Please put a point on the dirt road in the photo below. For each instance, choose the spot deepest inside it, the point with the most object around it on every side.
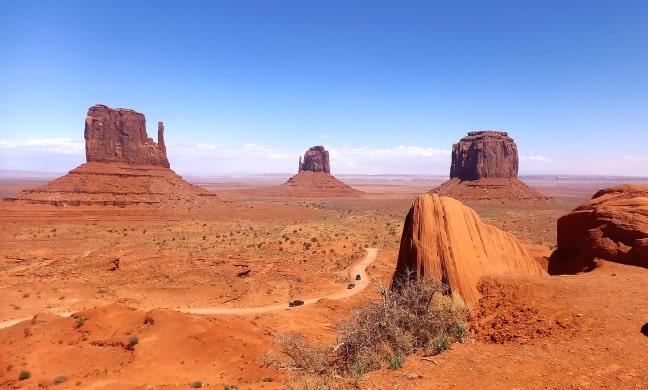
(359, 268)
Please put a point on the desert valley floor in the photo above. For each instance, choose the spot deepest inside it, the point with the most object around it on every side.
(137, 272)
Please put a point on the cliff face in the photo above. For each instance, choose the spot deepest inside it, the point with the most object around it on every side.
(484, 154)
(316, 159)
(613, 225)
(446, 240)
(484, 167)
(119, 135)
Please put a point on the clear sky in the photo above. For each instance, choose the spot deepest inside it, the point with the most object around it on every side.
(386, 86)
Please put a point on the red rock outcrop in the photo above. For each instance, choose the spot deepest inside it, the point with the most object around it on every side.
(484, 167)
(613, 225)
(316, 159)
(124, 168)
(119, 135)
(484, 154)
(444, 239)
(314, 179)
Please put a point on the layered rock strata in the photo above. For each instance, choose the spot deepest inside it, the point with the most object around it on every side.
(484, 167)
(119, 135)
(124, 167)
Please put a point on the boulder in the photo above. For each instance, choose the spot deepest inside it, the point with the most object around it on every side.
(446, 240)
(316, 159)
(484, 154)
(613, 225)
(119, 135)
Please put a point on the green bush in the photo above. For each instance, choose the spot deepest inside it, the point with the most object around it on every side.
(24, 375)
(196, 384)
(132, 342)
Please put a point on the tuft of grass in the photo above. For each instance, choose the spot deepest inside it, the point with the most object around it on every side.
(196, 384)
(60, 379)
(132, 342)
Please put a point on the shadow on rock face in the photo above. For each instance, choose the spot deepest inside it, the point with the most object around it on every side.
(644, 329)
(561, 263)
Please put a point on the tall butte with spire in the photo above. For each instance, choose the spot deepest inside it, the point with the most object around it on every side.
(123, 167)
(314, 179)
(484, 167)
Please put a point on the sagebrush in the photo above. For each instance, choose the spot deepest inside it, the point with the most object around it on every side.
(414, 315)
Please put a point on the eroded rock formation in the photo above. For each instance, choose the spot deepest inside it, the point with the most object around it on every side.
(316, 159)
(613, 225)
(124, 167)
(119, 135)
(484, 154)
(314, 179)
(444, 239)
(484, 166)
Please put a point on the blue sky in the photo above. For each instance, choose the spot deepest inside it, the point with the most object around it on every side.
(387, 86)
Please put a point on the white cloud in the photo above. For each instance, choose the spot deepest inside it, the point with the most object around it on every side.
(326, 136)
(48, 145)
(535, 158)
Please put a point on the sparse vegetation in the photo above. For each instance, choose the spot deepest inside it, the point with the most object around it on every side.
(60, 379)
(196, 384)
(24, 375)
(414, 316)
(132, 342)
(80, 321)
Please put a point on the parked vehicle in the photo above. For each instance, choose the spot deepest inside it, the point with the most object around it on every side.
(358, 277)
(351, 285)
(296, 302)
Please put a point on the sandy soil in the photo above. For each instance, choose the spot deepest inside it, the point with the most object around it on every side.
(133, 271)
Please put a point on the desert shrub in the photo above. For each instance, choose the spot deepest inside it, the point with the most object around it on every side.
(132, 342)
(267, 379)
(302, 356)
(60, 379)
(80, 321)
(228, 386)
(195, 384)
(414, 315)
(24, 375)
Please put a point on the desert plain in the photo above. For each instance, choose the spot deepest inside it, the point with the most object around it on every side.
(204, 293)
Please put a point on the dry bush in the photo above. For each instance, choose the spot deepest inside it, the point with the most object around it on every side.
(413, 316)
(303, 356)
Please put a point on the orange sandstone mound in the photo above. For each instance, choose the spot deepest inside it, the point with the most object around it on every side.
(124, 167)
(447, 240)
(484, 167)
(613, 225)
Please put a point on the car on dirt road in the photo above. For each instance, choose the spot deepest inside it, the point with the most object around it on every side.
(358, 277)
(295, 303)
(351, 285)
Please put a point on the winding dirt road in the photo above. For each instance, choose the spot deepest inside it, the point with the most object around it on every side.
(359, 268)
